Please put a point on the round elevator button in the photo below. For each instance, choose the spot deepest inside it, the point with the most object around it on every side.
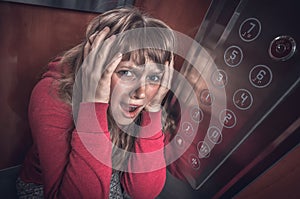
(260, 76)
(282, 48)
(250, 29)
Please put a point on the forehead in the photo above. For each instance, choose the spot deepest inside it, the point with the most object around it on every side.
(148, 65)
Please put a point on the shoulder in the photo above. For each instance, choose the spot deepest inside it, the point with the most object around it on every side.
(45, 100)
(46, 90)
(47, 113)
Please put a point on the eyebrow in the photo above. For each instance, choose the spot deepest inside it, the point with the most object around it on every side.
(157, 69)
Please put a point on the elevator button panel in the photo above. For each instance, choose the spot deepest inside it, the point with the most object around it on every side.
(257, 65)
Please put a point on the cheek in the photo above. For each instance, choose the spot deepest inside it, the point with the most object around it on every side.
(114, 80)
(151, 91)
(114, 88)
(117, 87)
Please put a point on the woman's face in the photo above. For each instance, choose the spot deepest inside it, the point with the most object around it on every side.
(132, 87)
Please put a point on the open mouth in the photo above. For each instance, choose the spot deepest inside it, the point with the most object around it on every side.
(130, 110)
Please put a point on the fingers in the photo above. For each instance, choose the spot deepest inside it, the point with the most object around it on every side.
(100, 38)
(96, 68)
(165, 79)
(88, 45)
(168, 74)
(94, 42)
(103, 89)
(155, 103)
(97, 53)
(171, 71)
(102, 55)
(111, 67)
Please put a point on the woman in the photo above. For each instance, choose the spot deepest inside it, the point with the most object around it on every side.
(115, 83)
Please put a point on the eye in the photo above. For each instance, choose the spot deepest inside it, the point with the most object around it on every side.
(126, 75)
(155, 79)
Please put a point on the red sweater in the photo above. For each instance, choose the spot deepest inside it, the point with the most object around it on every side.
(66, 161)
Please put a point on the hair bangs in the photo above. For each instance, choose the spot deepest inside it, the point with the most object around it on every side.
(142, 44)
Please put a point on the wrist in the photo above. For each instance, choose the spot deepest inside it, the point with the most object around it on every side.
(150, 124)
(92, 117)
(94, 100)
(153, 108)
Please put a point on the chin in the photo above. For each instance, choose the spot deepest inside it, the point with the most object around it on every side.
(122, 120)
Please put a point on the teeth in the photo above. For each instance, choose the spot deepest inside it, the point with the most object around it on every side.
(129, 108)
(132, 108)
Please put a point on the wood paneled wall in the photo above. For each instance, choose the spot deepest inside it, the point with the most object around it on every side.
(29, 36)
(181, 15)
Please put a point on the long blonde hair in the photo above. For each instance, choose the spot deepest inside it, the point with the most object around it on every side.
(119, 21)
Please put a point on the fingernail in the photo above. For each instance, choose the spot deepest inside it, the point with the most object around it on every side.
(112, 37)
(106, 28)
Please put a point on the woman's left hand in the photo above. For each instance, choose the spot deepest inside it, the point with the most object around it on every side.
(155, 103)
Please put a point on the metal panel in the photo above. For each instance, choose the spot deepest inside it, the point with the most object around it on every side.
(253, 49)
(97, 6)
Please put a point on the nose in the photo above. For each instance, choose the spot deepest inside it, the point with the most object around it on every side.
(139, 92)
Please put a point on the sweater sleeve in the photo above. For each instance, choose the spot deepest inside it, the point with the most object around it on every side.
(70, 159)
(146, 173)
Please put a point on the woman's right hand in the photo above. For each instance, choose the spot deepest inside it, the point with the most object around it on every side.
(96, 76)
